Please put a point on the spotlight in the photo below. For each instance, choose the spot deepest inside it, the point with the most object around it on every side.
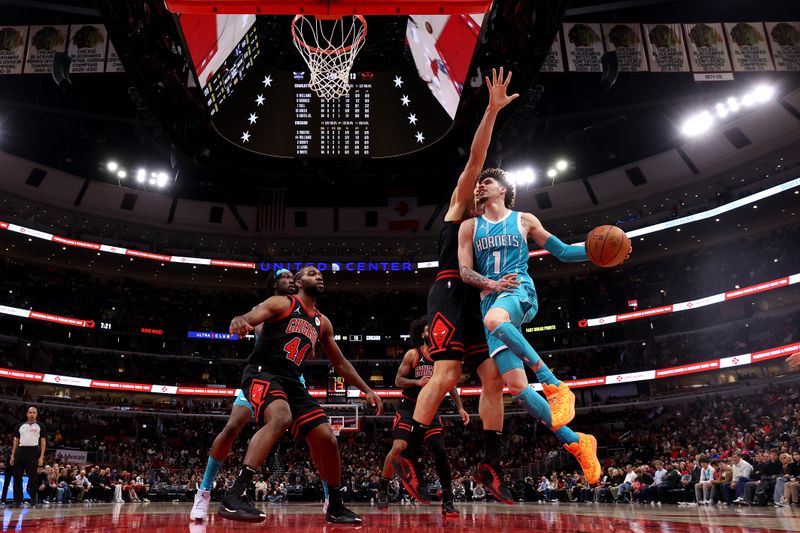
(722, 111)
(153, 174)
(122, 174)
(162, 179)
(763, 93)
(141, 175)
(552, 173)
(522, 177)
(152, 181)
(112, 166)
(697, 124)
(733, 104)
(748, 99)
(561, 165)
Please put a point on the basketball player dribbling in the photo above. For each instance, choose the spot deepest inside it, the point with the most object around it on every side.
(413, 375)
(279, 283)
(271, 381)
(456, 333)
(493, 256)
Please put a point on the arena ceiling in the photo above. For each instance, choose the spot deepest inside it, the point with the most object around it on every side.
(572, 116)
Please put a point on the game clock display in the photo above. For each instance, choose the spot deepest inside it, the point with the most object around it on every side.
(386, 113)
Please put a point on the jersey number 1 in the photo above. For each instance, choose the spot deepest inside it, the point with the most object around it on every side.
(292, 354)
(496, 256)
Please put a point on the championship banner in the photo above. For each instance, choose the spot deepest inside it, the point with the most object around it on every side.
(554, 60)
(784, 37)
(12, 48)
(626, 40)
(584, 46)
(707, 50)
(43, 43)
(87, 48)
(113, 63)
(665, 48)
(749, 47)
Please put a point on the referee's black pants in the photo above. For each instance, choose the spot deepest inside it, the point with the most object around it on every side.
(25, 462)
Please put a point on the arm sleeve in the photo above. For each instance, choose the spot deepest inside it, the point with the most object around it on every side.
(565, 253)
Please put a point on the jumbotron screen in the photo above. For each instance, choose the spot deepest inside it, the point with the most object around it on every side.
(394, 111)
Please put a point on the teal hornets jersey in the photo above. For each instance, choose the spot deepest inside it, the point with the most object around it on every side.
(500, 247)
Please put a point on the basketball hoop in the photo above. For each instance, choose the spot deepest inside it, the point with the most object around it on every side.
(329, 47)
(337, 428)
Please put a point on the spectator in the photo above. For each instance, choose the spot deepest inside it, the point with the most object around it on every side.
(479, 493)
(702, 489)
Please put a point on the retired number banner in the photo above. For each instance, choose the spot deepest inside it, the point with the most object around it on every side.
(749, 48)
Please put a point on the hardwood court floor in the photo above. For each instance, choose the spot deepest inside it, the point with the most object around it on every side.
(480, 517)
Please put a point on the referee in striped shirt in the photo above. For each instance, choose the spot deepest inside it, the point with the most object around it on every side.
(28, 453)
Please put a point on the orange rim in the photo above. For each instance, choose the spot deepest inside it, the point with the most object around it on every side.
(315, 50)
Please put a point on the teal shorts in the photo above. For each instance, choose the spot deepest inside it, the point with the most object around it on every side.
(241, 400)
(521, 305)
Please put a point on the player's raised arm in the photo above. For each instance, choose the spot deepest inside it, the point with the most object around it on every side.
(343, 367)
(466, 263)
(462, 198)
(272, 307)
(572, 253)
(405, 367)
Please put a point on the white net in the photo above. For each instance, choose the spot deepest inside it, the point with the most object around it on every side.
(329, 48)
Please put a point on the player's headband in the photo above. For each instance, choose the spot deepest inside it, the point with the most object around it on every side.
(281, 271)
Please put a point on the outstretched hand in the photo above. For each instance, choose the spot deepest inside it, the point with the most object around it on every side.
(794, 359)
(498, 88)
(240, 326)
(375, 400)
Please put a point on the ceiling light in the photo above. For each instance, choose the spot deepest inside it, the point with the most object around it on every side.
(748, 99)
(561, 165)
(552, 173)
(722, 111)
(522, 177)
(112, 166)
(122, 174)
(697, 124)
(763, 93)
(152, 181)
(162, 179)
(153, 174)
(733, 104)
(141, 175)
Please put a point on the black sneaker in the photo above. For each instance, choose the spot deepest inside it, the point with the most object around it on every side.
(411, 479)
(235, 507)
(339, 514)
(382, 501)
(448, 507)
(492, 478)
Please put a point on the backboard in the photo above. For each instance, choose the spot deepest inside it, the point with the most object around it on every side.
(406, 82)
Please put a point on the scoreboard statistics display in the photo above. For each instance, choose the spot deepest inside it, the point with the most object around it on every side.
(264, 109)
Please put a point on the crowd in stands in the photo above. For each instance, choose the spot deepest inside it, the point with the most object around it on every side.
(723, 450)
(131, 304)
(662, 351)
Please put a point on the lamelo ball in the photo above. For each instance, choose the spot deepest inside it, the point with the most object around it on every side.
(607, 246)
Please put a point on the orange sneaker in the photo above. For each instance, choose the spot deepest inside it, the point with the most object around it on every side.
(585, 451)
(562, 404)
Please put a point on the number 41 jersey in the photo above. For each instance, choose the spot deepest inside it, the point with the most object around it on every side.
(501, 247)
(286, 341)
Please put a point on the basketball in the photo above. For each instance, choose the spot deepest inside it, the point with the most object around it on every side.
(607, 246)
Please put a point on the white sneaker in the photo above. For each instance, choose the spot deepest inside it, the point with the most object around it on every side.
(658, 503)
(200, 507)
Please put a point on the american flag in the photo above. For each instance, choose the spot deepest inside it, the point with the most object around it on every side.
(271, 212)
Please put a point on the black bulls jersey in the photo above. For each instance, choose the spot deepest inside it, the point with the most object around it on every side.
(448, 247)
(288, 340)
(423, 366)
